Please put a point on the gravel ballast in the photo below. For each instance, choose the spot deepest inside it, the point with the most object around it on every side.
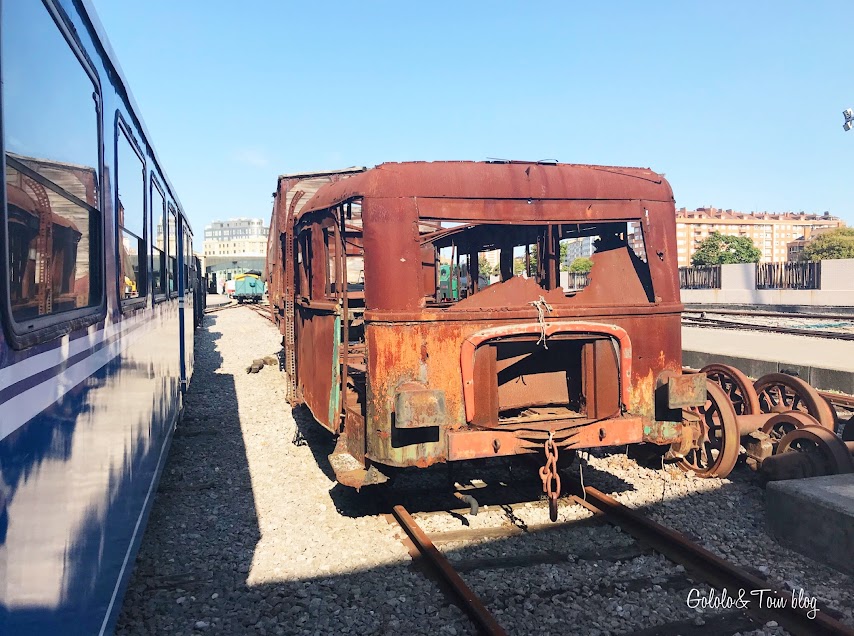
(250, 533)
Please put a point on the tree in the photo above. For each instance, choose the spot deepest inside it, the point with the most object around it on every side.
(581, 265)
(838, 243)
(718, 249)
(485, 268)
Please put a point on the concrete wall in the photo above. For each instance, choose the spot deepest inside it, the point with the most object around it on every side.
(738, 287)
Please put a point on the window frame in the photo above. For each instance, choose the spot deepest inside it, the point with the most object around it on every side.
(130, 304)
(171, 209)
(158, 295)
(188, 242)
(23, 335)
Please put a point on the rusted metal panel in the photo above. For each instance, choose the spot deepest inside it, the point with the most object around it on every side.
(617, 431)
(316, 353)
(477, 444)
(418, 407)
(484, 181)
(485, 377)
(686, 390)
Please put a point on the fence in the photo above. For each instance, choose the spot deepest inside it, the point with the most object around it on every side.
(577, 280)
(703, 277)
(806, 275)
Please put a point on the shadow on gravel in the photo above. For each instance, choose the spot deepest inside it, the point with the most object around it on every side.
(203, 528)
(566, 579)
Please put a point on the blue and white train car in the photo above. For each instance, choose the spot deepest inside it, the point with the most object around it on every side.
(96, 346)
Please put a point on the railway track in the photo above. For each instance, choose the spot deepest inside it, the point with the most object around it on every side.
(260, 309)
(229, 305)
(699, 563)
(768, 314)
(714, 323)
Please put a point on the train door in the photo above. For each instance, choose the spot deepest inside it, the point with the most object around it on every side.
(182, 281)
(318, 319)
(190, 300)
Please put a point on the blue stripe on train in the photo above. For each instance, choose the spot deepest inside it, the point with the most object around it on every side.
(95, 555)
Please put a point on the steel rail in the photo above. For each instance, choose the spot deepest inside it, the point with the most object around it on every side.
(726, 324)
(713, 569)
(262, 310)
(469, 601)
(215, 308)
(767, 314)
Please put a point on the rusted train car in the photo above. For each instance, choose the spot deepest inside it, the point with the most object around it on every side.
(510, 363)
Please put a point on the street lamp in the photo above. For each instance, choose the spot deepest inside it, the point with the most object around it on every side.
(849, 119)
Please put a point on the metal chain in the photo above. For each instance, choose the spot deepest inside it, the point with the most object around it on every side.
(550, 476)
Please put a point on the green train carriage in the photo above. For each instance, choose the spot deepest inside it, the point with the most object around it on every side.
(248, 287)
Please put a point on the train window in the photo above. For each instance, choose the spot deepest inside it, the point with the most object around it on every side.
(502, 252)
(331, 263)
(172, 251)
(130, 217)
(188, 261)
(158, 248)
(51, 136)
(304, 258)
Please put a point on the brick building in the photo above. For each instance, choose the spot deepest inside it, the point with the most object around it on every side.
(771, 233)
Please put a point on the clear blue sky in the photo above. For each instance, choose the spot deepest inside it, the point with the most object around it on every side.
(738, 103)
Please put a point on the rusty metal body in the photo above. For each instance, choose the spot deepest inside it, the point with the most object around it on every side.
(407, 375)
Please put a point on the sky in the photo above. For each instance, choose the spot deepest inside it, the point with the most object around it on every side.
(739, 104)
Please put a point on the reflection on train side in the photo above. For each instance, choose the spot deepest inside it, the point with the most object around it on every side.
(52, 207)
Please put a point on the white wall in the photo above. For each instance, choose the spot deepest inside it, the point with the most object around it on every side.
(738, 288)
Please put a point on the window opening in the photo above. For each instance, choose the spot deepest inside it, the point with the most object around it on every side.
(172, 250)
(130, 218)
(473, 257)
(158, 250)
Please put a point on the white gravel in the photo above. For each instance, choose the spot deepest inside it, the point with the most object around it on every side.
(250, 533)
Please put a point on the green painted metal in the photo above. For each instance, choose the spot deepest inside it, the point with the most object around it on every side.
(335, 392)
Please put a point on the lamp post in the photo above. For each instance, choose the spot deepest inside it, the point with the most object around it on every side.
(849, 119)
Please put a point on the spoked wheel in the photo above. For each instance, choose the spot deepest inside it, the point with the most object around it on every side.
(784, 423)
(716, 440)
(820, 441)
(737, 386)
(779, 393)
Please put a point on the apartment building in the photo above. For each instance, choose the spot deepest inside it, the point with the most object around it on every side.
(771, 233)
(239, 237)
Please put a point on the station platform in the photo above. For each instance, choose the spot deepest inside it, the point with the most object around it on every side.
(814, 516)
(825, 364)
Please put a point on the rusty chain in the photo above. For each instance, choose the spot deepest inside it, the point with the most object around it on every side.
(551, 477)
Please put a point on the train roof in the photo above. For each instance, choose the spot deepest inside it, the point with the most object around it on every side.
(495, 180)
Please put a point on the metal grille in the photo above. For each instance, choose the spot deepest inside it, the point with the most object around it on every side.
(702, 277)
(805, 275)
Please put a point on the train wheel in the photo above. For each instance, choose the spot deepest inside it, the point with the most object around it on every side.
(784, 423)
(716, 441)
(779, 392)
(736, 385)
(819, 440)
